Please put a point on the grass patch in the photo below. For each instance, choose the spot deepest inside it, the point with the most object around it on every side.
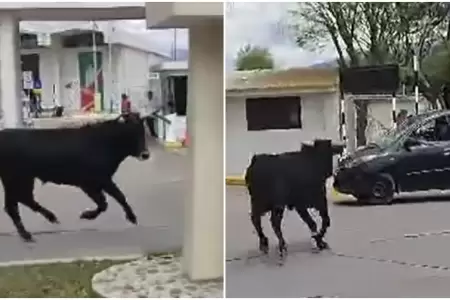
(56, 280)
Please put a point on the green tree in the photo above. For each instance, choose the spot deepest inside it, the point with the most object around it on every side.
(372, 33)
(253, 57)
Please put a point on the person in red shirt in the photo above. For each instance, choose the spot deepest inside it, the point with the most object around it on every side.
(126, 104)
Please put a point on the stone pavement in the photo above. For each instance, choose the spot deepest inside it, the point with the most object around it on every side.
(377, 251)
(158, 276)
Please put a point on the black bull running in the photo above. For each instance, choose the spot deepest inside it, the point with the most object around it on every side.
(86, 157)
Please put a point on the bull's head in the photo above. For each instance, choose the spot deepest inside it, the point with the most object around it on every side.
(323, 150)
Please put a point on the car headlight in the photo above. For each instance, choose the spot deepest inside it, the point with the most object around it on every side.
(360, 160)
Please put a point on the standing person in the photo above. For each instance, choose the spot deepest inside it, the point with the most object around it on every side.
(402, 116)
(126, 103)
(37, 93)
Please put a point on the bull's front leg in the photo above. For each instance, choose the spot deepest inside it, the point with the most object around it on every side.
(306, 217)
(111, 189)
(263, 240)
(12, 209)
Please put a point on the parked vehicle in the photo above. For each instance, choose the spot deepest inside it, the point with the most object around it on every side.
(413, 157)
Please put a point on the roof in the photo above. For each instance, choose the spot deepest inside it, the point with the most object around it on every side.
(306, 79)
(112, 33)
(179, 65)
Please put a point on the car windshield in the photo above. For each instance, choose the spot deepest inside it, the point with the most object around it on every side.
(388, 137)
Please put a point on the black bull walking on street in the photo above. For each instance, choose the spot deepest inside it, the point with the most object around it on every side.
(295, 180)
(85, 157)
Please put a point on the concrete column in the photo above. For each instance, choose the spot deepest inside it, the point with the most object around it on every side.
(203, 237)
(10, 71)
(56, 85)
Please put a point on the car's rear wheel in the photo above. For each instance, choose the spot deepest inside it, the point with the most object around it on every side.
(382, 191)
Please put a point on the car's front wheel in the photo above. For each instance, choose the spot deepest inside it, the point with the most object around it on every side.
(382, 191)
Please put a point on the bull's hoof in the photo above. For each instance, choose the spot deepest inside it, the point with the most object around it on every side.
(27, 237)
(281, 260)
(321, 245)
(53, 219)
(264, 245)
(89, 215)
(132, 218)
(282, 257)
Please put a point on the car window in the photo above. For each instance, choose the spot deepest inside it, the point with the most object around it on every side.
(426, 131)
(434, 130)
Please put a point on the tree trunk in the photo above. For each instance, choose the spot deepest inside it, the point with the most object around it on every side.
(361, 121)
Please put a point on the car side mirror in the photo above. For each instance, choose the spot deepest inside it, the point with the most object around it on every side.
(409, 143)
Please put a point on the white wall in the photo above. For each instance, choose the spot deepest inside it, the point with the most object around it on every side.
(320, 118)
(130, 68)
(132, 74)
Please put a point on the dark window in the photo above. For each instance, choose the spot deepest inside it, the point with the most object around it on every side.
(28, 41)
(273, 113)
(82, 40)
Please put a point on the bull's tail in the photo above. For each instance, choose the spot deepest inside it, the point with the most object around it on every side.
(248, 171)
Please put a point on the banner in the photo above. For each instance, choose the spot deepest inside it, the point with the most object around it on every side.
(89, 101)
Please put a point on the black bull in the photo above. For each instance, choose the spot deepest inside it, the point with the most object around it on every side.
(85, 157)
(295, 180)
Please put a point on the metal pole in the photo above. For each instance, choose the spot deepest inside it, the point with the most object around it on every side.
(394, 110)
(174, 44)
(416, 82)
(94, 55)
(111, 94)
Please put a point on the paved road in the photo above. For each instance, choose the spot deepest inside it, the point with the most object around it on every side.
(377, 251)
(155, 189)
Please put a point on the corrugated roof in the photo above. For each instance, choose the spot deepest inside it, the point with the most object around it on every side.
(294, 78)
(112, 33)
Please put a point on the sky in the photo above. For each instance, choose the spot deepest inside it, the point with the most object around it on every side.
(262, 24)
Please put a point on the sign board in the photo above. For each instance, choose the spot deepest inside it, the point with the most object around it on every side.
(153, 76)
(383, 79)
(27, 78)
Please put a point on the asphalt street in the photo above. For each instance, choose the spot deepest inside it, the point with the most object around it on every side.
(155, 189)
(376, 251)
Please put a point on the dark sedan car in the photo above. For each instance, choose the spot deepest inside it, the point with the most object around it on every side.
(413, 157)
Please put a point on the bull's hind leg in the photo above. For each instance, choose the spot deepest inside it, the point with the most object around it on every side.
(276, 216)
(111, 189)
(26, 197)
(99, 198)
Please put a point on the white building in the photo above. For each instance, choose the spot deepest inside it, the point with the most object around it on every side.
(274, 111)
(58, 62)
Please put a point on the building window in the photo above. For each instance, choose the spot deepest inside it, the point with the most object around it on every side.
(82, 40)
(28, 41)
(273, 113)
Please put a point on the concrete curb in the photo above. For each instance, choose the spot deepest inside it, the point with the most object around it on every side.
(173, 145)
(235, 180)
(68, 260)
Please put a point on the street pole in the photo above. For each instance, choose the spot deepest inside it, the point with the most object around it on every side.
(94, 57)
(112, 88)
